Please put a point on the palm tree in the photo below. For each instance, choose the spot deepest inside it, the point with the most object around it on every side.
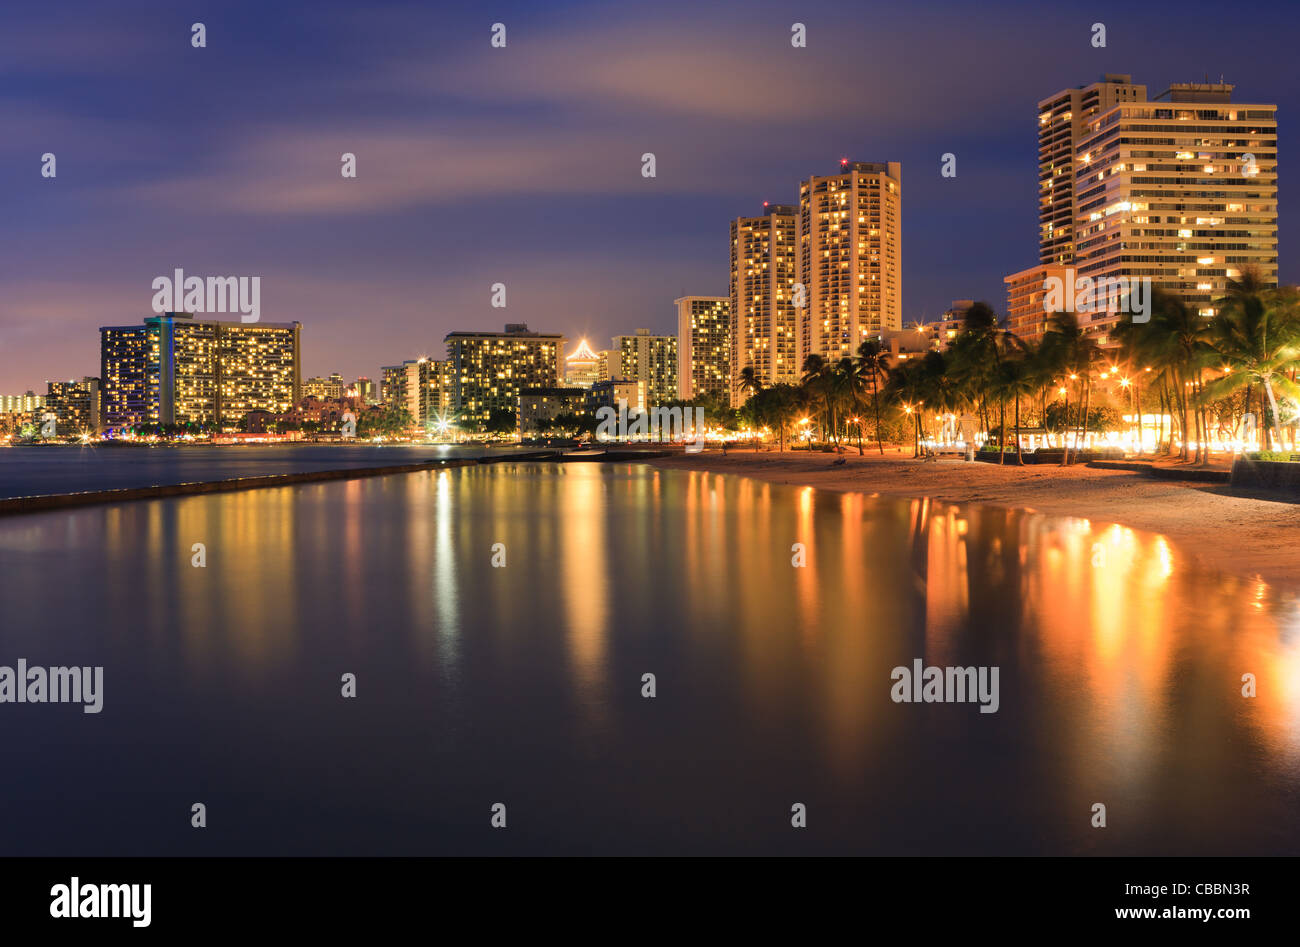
(750, 382)
(873, 365)
(1256, 334)
(977, 352)
(1176, 338)
(802, 402)
(820, 383)
(903, 387)
(1067, 346)
(1015, 378)
(941, 387)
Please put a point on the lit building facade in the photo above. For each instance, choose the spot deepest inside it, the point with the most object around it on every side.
(1180, 189)
(392, 385)
(609, 393)
(539, 406)
(178, 370)
(850, 257)
(582, 367)
(490, 369)
(704, 347)
(649, 359)
(423, 386)
(129, 372)
(323, 388)
(1164, 190)
(1026, 291)
(366, 390)
(764, 323)
(75, 405)
(1062, 119)
(21, 404)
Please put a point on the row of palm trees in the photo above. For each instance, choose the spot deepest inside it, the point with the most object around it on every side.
(1204, 374)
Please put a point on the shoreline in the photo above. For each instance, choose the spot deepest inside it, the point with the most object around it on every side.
(45, 502)
(1238, 532)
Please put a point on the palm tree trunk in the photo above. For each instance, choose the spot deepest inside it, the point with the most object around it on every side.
(1137, 412)
(875, 405)
(1002, 430)
(1184, 411)
(1276, 419)
(1087, 401)
(1166, 414)
(1065, 437)
(1020, 460)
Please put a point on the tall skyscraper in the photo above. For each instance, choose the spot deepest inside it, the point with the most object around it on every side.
(1180, 189)
(764, 322)
(176, 369)
(489, 369)
(650, 359)
(850, 257)
(129, 372)
(704, 347)
(1062, 120)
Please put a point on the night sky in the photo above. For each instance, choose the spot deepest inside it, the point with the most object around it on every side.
(522, 165)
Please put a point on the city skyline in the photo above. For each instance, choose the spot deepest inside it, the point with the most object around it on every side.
(549, 167)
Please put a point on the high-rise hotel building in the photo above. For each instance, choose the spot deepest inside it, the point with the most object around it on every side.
(850, 257)
(423, 386)
(1062, 120)
(76, 406)
(649, 359)
(704, 347)
(764, 322)
(489, 369)
(1180, 189)
(175, 369)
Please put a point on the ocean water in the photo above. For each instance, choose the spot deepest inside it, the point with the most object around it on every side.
(521, 683)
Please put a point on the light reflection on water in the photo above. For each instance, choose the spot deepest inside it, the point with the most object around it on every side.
(1120, 674)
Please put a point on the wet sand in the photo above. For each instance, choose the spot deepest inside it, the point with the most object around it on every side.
(1253, 534)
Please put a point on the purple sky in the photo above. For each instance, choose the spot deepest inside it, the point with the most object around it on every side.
(522, 165)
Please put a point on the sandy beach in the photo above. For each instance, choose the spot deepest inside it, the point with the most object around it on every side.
(1254, 535)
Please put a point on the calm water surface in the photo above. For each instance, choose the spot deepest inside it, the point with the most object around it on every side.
(1120, 675)
(36, 471)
